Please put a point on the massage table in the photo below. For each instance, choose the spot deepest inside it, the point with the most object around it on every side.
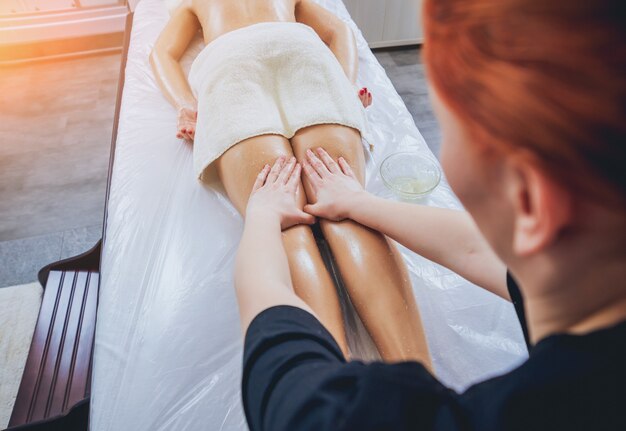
(168, 343)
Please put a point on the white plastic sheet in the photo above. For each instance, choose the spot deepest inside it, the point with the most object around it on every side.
(168, 341)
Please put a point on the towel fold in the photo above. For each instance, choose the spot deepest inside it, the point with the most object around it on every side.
(267, 78)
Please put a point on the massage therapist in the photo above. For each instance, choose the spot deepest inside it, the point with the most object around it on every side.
(531, 97)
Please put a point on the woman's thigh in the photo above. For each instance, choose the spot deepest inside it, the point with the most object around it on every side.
(239, 166)
(371, 267)
(238, 169)
(337, 140)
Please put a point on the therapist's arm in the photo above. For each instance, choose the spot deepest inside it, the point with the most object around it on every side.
(262, 278)
(447, 237)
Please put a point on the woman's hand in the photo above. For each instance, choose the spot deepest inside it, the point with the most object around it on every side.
(274, 194)
(187, 118)
(335, 187)
(365, 96)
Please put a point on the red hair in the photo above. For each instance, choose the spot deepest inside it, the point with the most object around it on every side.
(544, 76)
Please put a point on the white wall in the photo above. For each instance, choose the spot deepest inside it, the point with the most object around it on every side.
(388, 22)
(8, 7)
(61, 25)
(97, 3)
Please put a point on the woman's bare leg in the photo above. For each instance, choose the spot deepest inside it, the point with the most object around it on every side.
(371, 267)
(238, 169)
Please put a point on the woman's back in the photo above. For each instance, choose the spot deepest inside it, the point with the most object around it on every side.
(217, 17)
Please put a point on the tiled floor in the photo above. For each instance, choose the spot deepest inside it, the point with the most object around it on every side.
(405, 69)
(55, 127)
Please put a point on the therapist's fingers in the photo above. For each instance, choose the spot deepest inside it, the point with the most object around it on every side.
(285, 172)
(275, 171)
(293, 182)
(317, 164)
(328, 161)
(311, 175)
(345, 168)
(260, 179)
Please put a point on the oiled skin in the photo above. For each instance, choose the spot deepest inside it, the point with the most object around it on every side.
(371, 267)
(218, 16)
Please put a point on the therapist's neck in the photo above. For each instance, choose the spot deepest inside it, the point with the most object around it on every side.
(578, 286)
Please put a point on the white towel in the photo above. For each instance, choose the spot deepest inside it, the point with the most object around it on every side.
(267, 78)
(171, 5)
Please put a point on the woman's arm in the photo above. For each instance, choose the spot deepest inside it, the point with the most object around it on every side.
(447, 237)
(338, 36)
(262, 277)
(165, 61)
(334, 32)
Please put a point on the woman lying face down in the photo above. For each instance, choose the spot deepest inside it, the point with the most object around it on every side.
(275, 79)
(214, 18)
(533, 145)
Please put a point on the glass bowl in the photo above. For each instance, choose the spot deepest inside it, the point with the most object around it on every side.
(409, 175)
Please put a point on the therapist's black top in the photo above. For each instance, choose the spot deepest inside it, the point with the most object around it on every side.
(295, 378)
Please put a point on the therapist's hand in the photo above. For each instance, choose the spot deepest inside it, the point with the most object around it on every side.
(274, 194)
(334, 184)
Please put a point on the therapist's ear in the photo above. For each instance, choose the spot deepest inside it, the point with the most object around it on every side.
(543, 208)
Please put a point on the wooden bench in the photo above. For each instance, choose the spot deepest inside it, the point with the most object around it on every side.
(56, 384)
(55, 387)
